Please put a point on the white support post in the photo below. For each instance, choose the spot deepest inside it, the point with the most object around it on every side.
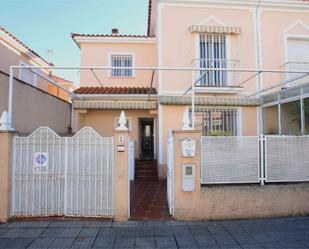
(302, 112)
(193, 106)
(10, 103)
(279, 119)
(262, 160)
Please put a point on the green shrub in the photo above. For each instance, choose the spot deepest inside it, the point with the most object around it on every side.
(219, 133)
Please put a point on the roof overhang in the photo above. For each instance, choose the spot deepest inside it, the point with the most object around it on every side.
(109, 39)
(282, 4)
(117, 96)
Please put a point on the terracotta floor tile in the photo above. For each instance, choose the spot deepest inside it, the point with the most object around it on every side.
(148, 200)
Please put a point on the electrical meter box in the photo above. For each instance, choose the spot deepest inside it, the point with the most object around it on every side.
(188, 177)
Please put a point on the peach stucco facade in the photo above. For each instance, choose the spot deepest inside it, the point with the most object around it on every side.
(98, 55)
(260, 43)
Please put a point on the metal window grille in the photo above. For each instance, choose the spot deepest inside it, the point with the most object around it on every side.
(217, 119)
(213, 55)
(122, 61)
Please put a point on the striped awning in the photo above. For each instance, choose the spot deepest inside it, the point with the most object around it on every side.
(215, 29)
(115, 105)
(209, 101)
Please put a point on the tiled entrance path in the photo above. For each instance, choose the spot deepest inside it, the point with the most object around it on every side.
(148, 194)
(261, 233)
(149, 200)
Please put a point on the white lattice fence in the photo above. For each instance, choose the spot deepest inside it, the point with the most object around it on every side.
(287, 158)
(55, 175)
(229, 160)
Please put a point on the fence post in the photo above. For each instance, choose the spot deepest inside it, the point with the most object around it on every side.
(121, 189)
(183, 197)
(262, 158)
(6, 138)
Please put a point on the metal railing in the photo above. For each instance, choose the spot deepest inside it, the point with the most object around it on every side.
(215, 78)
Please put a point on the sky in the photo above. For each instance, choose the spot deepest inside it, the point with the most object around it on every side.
(47, 24)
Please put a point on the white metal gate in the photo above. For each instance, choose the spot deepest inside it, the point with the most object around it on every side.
(170, 172)
(55, 175)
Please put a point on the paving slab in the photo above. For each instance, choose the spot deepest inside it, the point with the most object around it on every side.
(41, 243)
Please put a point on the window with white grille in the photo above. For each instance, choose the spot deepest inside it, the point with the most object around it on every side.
(213, 55)
(217, 121)
(122, 61)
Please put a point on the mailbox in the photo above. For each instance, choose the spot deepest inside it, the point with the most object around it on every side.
(188, 177)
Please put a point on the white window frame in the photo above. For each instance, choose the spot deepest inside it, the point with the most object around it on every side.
(227, 51)
(288, 37)
(119, 54)
(20, 72)
(129, 121)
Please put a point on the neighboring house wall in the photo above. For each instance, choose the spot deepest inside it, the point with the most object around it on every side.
(12, 57)
(33, 107)
(98, 55)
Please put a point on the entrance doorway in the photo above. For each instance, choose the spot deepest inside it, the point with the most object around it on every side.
(146, 139)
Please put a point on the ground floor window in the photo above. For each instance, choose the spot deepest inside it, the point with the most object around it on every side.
(217, 121)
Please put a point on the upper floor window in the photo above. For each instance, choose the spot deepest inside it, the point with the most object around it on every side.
(122, 61)
(26, 75)
(297, 59)
(213, 54)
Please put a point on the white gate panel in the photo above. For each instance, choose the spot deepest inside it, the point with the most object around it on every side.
(287, 158)
(90, 181)
(229, 160)
(38, 190)
(55, 175)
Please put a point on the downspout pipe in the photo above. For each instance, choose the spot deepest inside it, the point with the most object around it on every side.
(258, 61)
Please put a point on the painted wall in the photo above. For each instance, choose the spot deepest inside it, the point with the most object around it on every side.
(98, 54)
(104, 122)
(33, 108)
(176, 38)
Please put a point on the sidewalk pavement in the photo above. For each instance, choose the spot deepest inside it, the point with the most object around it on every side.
(290, 232)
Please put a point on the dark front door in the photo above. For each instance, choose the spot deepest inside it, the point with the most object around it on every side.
(146, 139)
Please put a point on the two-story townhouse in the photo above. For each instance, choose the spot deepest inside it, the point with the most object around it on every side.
(245, 44)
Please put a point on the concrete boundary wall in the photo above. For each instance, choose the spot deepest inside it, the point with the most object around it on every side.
(33, 107)
(232, 201)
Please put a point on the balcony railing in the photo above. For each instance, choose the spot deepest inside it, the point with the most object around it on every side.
(215, 78)
(295, 66)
